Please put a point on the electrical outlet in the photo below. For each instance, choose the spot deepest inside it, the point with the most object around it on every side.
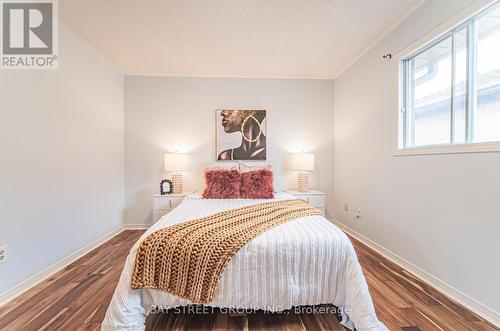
(358, 214)
(3, 253)
(346, 206)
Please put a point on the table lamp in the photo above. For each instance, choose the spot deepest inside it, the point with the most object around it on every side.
(303, 162)
(175, 163)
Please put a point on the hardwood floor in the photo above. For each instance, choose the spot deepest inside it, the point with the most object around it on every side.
(77, 297)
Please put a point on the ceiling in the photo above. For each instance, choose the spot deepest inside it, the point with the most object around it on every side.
(233, 38)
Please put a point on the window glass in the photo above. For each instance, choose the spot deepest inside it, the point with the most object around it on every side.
(460, 86)
(487, 114)
(430, 115)
(451, 88)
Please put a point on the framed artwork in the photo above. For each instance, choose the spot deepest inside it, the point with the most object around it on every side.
(166, 187)
(240, 134)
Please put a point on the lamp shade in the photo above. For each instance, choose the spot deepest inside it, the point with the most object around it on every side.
(175, 162)
(303, 161)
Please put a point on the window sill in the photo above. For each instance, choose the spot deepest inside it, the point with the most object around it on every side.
(492, 147)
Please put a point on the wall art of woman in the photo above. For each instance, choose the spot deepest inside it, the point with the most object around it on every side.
(241, 134)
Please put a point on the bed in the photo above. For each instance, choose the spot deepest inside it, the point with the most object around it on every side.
(307, 261)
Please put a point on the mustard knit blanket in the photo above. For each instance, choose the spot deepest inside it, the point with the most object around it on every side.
(187, 259)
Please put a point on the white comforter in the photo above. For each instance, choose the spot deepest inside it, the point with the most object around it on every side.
(307, 261)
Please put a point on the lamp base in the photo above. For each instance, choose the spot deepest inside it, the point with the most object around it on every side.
(303, 183)
(177, 183)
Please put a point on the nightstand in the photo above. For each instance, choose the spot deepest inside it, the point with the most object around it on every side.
(315, 198)
(163, 204)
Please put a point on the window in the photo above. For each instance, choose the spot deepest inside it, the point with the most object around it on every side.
(451, 87)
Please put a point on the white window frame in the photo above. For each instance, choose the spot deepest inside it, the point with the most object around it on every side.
(465, 19)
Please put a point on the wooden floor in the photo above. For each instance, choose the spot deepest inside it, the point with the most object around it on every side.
(77, 297)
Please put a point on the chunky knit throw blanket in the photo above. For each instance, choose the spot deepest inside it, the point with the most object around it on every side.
(187, 259)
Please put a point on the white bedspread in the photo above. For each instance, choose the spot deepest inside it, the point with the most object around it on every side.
(307, 261)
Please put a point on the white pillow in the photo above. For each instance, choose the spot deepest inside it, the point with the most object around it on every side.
(221, 166)
(252, 166)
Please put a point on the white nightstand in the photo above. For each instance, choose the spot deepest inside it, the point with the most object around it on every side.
(163, 204)
(315, 198)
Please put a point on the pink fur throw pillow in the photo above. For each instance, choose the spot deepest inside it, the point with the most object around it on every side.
(222, 184)
(257, 184)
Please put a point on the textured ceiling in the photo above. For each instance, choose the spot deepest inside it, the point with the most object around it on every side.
(242, 38)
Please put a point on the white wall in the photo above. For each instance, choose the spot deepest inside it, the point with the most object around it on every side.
(440, 212)
(62, 159)
(167, 114)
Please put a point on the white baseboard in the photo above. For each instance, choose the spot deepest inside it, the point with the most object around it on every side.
(25, 285)
(138, 226)
(470, 303)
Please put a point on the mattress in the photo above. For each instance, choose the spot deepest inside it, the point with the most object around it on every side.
(307, 261)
